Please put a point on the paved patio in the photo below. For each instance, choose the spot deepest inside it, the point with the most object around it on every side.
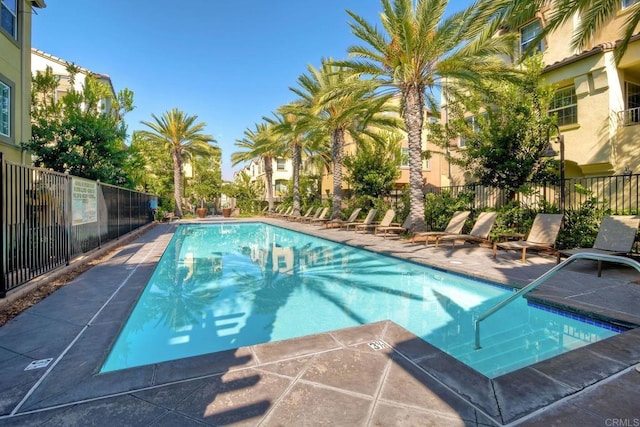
(335, 378)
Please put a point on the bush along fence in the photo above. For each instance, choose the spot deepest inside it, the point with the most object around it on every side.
(48, 218)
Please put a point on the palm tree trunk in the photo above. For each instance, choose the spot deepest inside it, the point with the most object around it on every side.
(413, 115)
(297, 160)
(268, 171)
(337, 153)
(177, 182)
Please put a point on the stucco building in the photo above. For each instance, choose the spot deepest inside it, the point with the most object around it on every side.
(15, 76)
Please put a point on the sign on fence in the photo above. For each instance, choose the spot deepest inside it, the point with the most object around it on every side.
(84, 202)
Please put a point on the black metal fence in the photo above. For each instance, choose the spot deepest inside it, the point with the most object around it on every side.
(47, 218)
(619, 194)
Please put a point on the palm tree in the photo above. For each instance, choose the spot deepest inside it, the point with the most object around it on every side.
(263, 144)
(181, 136)
(594, 14)
(291, 125)
(340, 104)
(415, 51)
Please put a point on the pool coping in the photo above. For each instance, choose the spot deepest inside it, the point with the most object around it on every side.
(505, 399)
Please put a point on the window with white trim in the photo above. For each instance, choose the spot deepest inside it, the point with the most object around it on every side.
(280, 164)
(528, 34)
(565, 106)
(9, 17)
(404, 161)
(472, 124)
(5, 110)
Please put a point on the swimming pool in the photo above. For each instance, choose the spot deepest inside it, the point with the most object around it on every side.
(224, 286)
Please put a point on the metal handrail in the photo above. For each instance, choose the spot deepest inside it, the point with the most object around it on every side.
(531, 286)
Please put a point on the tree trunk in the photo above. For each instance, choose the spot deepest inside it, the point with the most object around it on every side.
(268, 171)
(413, 115)
(337, 154)
(297, 159)
(177, 183)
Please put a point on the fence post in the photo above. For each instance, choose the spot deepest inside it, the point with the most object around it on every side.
(3, 266)
(100, 196)
(68, 214)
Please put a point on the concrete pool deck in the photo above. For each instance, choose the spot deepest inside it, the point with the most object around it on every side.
(376, 374)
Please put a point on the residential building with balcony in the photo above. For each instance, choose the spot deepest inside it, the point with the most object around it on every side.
(15, 76)
(597, 102)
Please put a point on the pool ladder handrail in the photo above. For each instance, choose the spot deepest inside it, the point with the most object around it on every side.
(531, 286)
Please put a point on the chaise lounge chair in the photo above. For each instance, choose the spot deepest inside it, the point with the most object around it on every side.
(299, 217)
(456, 223)
(386, 222)
(479, 233)
(616, 236)
(338, 223)
(321, 218)
(315, 215)
(284, 214)
(368, 220)
(542, 236)
(394, 229)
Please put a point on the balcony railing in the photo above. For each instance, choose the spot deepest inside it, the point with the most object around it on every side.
(629, 117)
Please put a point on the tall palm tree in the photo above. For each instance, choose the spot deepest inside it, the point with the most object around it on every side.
(261, 143)
(181, 136)
(291, 124)
(416, 50)
(594, 14)
(340, 104)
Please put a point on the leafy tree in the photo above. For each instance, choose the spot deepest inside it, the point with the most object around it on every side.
(206, 183)
(246, 193)
(156, 171)
(374, 168)
(74, 134)
(415, 51)
(181, 136)
(504, 149)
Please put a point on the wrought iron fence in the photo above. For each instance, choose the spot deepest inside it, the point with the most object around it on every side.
(47, 218)
(617, 194)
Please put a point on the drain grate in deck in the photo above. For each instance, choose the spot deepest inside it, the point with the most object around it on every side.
(38, 364)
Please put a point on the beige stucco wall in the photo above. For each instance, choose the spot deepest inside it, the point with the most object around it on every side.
(15, 70)
(587, 143)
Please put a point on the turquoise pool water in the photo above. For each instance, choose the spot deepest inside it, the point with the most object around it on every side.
(223, 286)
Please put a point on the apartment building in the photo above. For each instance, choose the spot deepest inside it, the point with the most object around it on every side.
(282, 173)
(597, 101)
(60, 68)
(15, 76)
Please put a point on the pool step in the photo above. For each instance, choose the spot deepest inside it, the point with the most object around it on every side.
(509, 352)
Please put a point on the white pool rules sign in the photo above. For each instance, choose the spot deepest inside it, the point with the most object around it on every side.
(84, 207)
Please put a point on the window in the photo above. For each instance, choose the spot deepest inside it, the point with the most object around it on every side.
(528, 33)
(628, 3)
(280, 164)
(9, 17)
(472, 124)
(632, 114)
(5, 110)
(565, 106)
(404, 161)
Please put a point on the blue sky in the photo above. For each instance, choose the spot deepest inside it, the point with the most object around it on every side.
(230, 62)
